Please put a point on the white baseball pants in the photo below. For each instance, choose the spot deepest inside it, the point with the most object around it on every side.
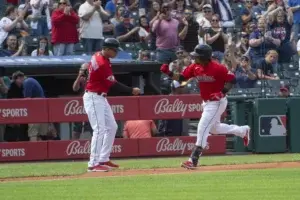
(104, 127)
(210, 122)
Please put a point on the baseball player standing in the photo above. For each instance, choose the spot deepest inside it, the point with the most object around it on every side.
(100, 80)
(214, 82)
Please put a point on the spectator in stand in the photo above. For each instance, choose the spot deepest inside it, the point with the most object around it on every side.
(153, 15)
(91, 26)
(134, 129)
(281, 26)
(64, 29)
(230, 60)
(294, 6)
(117, 19)
(144, 55)
(197, 6)
(43, 48)
(248, 13)
(32, 89)
(261, 41)
(245, 74)
(216, 38)
(223, 9)
(15, 132)
(178, 11)
(178, 65)
(265, 66)
(125, 31)
(4, 85)
(111, 7)
(11, 23)
(108, 28)
(154, 12)
(173, 127)
(167, 36)
(14, 48)
(40, 18)
(284, 91)
(189, 39)
(144, 32)
(243, 43)
(78, 87)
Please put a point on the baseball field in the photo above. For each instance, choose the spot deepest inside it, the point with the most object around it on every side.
(233, 177)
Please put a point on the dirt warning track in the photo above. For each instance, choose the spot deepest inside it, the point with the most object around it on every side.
(160, 171)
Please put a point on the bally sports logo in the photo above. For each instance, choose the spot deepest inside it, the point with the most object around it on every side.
(13, 112)
(165, 145)
(75, 107)
(165, 106)
(76, 148)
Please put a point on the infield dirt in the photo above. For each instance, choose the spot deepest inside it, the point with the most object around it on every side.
(134, 172)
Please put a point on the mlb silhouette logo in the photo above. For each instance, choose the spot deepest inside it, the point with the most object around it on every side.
(272, 125)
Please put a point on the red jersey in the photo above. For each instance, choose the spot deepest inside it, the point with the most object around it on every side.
(101, 77)
(211, 78)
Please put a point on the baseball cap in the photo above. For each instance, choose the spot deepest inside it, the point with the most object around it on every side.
(126, 14)
(285, 88)
(207, 6)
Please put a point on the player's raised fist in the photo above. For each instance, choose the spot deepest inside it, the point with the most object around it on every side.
(165, 69)
(216, 96)
(136, 91)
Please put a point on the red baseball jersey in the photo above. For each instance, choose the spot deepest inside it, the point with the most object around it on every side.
(100, 77)
(211, 78)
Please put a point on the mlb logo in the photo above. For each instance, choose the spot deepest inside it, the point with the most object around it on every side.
(272, 125)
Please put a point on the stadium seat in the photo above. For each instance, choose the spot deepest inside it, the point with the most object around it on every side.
(255, 91)
(78, 49)
(274, 83)
(290, 67)
(294, 82)
(128, 46)
(291, 74)
(261, 84)
(141, 46)
(32, 41)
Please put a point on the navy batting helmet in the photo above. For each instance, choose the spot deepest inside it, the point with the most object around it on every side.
(202, 51)
(111, 43)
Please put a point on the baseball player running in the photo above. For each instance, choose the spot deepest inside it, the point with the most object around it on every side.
(100, 81)
(214, 82)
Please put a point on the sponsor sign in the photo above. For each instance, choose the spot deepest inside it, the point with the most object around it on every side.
(176, 146)
(72, 109)
(80, 149)
(17, 111)
(23, 151)
(122, 148)
(170, 107)
(272, 125)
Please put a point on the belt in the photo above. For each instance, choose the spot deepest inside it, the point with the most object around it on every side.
(103, 94)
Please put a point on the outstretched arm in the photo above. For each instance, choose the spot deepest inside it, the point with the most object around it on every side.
(185, 75)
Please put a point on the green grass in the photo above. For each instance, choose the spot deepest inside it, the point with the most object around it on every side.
(272, 184)
(76, 168)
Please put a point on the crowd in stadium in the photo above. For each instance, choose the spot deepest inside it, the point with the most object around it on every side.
(257, 40)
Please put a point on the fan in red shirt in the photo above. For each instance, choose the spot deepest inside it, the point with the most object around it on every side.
(64, 29)
(100, 80)
(214, 82)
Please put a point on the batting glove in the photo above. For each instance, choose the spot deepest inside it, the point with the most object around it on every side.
(216, 96)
